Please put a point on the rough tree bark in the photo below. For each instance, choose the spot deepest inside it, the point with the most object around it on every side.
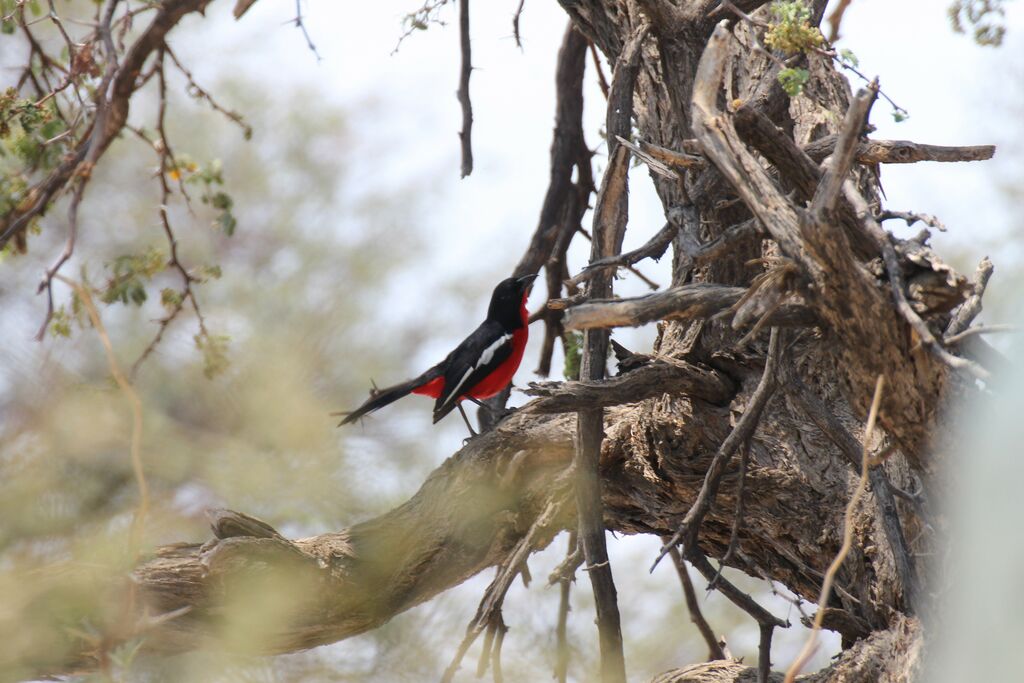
(856, 302)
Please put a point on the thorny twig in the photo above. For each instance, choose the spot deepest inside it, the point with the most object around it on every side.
(826, 588)
(201, 93)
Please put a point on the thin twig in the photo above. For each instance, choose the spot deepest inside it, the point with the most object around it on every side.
(970, 309)
(654, 248)
(301, 25)
(602, 80)
(826, 587)
(980, 329)
(696, 616)
(836, 19)
(512, 566)
(912, 217)
(515, 24)
(138, 520)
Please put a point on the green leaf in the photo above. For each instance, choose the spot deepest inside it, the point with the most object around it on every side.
(214, 348)
(793, 80)
(573, 342)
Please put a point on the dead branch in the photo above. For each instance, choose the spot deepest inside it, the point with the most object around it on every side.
(826, 196)
(901, 151)
(911, 217)
(685, 302)
(565, 580)
(895, 274)
(657, 378)
(970, 309)
(871, 332)
(655, 249)
(488, 614)
(465, 69)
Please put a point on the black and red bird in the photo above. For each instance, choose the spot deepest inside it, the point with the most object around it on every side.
(480, 367)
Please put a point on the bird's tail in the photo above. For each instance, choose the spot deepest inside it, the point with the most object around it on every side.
(382, 397)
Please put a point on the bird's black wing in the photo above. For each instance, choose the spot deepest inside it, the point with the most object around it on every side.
(475, 358)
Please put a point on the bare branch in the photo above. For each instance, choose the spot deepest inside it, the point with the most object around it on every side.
(465, 69)
(301, 25)
(970, 309)
(836, 19)
(655, 248)
(693, 606)
(659, 377)
(895, 274)
(912, 217)
(565, 201)
(685, 302)
(901, 151)
(827, 194)
(564, 587)
(610, 216)
(826, 421)
(515, 24)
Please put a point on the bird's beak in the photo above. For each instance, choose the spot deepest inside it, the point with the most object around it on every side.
(526, 281)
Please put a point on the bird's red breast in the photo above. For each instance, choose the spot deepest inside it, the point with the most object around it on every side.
(497, 380)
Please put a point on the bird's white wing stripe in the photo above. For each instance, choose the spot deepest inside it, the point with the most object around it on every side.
(489, 352)
(455, 394)
(485, 358)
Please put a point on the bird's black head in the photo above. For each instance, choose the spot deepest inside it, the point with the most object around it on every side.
(507, 301)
